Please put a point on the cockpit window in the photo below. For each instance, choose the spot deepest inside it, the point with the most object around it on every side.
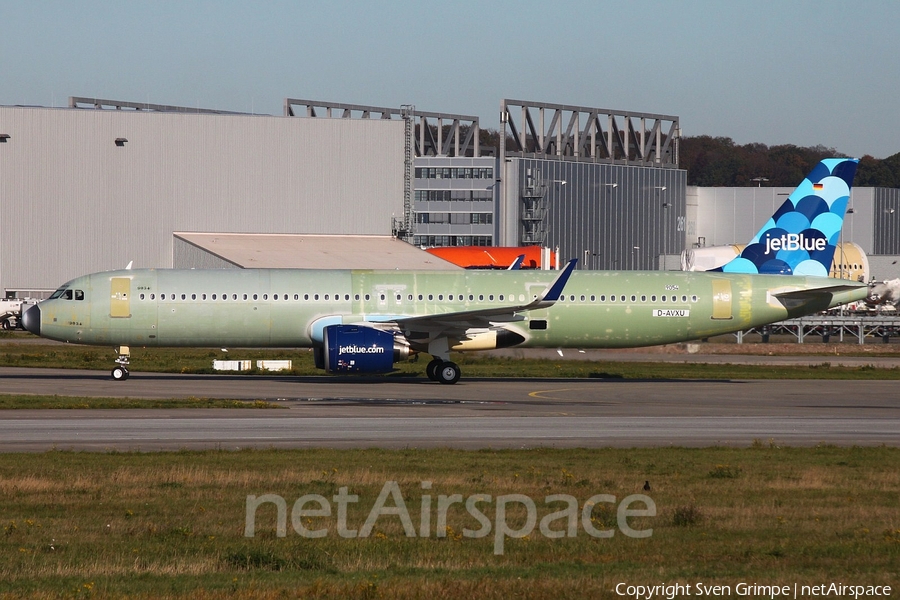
(57, 294)
(67, 295)
(79, 294)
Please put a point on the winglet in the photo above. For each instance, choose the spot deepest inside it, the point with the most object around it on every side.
(517, 264)
(556, 288)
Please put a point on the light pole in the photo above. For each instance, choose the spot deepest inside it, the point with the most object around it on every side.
(665, 227)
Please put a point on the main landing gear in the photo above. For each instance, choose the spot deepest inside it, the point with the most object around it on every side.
(443, 370)
(120, 371)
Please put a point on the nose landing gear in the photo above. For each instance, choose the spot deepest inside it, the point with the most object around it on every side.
(120, 371)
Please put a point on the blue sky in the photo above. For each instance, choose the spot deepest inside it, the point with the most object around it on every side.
(774, 72)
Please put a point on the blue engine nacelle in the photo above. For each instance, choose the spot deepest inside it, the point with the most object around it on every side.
(360, 349)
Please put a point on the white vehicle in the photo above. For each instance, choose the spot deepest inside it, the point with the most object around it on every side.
(11, 312)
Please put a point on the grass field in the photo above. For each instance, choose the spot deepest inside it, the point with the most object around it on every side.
(199, 360)
(83, 525)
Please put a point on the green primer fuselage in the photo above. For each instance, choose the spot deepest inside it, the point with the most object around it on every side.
(287, 308)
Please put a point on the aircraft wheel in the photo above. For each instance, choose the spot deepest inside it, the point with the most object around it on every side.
(6, 324)
(120, 373)
(431, 369)
(449, 373)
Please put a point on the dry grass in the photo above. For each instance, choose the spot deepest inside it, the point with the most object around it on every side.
(170, 525)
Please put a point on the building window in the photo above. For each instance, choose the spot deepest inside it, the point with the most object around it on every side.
(454, 173)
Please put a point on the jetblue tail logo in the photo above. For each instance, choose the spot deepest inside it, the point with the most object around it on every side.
(801, 236)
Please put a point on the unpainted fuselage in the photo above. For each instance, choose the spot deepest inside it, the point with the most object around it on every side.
(288, 308)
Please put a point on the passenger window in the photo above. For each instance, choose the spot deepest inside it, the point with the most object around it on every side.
(420, 296)
(643, 298)
(213, 296)
(368, 297)
(356, 297)
(582, 297)
(623, 298)
(693, 298)
(593, 298)
(153, 296)
(275, 297)
(471, 297)
(315, 297)
(409, 297)
(193, 296)
(501, 298)
(440, 296)
(603, 298)
(142, 296)
(633, 298)
(326, 296)
(612, 298)
(663, 298)
(684, 298)
(398, 297)
(653, 298)
(430, 297)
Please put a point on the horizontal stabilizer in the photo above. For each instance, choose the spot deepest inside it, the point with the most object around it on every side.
(800, 297)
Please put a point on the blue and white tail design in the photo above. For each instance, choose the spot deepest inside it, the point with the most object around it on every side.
(801, 236)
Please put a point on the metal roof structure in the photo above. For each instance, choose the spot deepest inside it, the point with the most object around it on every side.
(289, 251)
(587, 134)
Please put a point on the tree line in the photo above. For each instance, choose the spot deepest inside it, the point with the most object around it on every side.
(718, 161)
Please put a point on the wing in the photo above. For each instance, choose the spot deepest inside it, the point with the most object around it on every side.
(423, 329)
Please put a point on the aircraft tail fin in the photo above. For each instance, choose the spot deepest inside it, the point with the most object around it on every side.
(800, 238)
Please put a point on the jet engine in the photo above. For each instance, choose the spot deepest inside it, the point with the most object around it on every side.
(360, 349)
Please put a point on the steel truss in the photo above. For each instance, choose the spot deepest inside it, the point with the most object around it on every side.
(436, 134)
(830, 327)
(100, 104)
(565, 132)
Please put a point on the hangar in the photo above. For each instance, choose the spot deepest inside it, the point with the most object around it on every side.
(103, 183)
(91, 188)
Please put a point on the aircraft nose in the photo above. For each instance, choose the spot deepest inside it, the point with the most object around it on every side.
(31, 320)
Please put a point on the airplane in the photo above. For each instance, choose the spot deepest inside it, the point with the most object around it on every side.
(364, 321)
(809, 221)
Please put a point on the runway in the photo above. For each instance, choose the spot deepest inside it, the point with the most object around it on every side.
(475, 413)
